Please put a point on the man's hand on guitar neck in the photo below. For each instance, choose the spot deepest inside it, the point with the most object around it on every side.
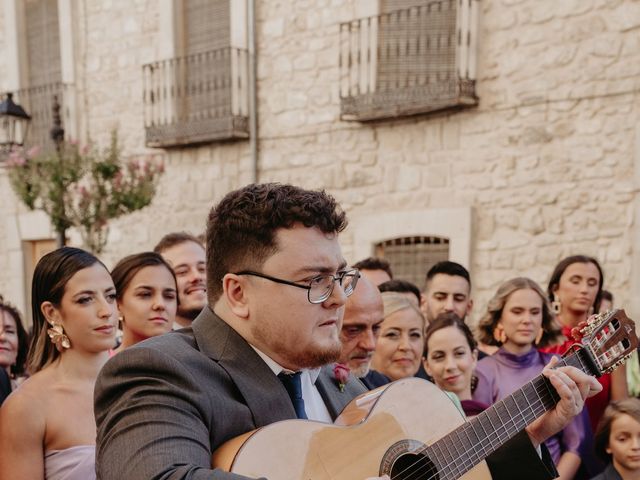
(573, 387)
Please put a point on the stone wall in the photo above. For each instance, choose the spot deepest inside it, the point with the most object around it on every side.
(546, 162)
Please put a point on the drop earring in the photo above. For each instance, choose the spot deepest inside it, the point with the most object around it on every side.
(499, 335)
(556, 305)
(58, 337)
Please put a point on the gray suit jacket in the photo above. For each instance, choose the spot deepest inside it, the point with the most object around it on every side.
(163, 405)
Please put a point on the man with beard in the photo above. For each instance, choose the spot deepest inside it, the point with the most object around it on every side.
(186, 255)
(277, 284)
(363, 315)
(447, 289)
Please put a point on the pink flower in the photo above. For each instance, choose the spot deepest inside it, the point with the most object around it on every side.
(33, 152)
(341, 372)
(16, 159)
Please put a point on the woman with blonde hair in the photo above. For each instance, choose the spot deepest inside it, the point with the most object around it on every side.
(401, 340)
(519, 319)
(47, 427)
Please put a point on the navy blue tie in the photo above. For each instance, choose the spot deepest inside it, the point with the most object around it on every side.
(292, 383)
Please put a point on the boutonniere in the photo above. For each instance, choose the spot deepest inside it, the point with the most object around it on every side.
(341, 373)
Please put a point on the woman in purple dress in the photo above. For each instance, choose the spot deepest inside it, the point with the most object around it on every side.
(518, 319)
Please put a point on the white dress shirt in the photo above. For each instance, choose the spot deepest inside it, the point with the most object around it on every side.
(313, 404)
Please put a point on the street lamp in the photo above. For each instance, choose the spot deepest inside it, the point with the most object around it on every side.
(14, 123)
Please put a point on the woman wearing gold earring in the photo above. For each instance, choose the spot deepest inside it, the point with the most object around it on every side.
(518, 319)
(47, 427)
(147, 297)
(575, 289)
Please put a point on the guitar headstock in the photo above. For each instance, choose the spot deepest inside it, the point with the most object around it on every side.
(611, 338)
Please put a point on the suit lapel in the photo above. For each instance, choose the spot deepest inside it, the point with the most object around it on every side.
(263, 393)
(334, 399)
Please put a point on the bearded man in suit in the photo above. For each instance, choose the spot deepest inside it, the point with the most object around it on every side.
(277, 284)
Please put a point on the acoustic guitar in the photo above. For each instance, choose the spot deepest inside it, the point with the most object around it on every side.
(410, 429)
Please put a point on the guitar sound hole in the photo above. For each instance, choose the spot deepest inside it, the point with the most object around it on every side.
(414, 467)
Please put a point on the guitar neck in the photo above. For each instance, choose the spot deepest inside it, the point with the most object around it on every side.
(463, 448)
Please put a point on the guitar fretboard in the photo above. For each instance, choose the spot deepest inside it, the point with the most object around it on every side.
(459, 451)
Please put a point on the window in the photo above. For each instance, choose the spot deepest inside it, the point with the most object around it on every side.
(200, 94)
(40, 64)
(412, 257)
(412, 58)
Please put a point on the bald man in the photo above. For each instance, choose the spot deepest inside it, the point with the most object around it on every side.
(362, 318)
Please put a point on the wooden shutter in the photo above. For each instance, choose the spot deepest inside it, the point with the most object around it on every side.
(43, 42)
(207, 25)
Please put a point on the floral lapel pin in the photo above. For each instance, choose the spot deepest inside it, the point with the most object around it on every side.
(341, 374)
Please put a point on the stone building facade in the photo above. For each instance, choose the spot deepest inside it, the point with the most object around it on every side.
(546, 165)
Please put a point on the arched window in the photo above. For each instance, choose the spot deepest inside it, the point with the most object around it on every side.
(411, 257)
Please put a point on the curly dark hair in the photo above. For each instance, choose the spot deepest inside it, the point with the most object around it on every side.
(488, 322)
(241, 228)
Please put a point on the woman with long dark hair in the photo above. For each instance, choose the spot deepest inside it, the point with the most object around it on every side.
(14, 343)
(47, 427)
(146, 295)
(575, 291)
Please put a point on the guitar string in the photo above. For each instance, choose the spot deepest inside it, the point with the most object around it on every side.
(503, 429)
(501, 432)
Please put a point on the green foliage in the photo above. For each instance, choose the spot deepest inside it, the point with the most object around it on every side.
(82, 187)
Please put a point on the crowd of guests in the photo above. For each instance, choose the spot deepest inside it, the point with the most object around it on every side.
(83, 314)
(521, 330)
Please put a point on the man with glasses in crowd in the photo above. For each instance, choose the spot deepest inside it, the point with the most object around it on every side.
(276, 284)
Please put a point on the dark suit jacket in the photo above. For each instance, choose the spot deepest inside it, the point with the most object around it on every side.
(610, 473)
(165, 404)
(5, 385)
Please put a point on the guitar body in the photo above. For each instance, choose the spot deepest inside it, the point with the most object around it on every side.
(374, 435)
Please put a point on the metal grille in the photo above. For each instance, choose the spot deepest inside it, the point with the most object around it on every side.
(411, 257)
(196, 98)
(406, 61)
(38, 102)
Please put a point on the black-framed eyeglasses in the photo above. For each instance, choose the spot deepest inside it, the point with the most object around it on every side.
(319, 288)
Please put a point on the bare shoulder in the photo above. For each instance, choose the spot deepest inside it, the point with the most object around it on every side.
(22, 432)
(26, 405)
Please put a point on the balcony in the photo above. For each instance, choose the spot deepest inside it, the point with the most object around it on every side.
(408, 62)
(196, 99)
(38, 102)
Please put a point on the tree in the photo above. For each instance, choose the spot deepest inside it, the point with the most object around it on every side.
(83, 187)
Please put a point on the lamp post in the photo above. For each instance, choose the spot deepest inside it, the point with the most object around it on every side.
(14, 123)
(57, 135)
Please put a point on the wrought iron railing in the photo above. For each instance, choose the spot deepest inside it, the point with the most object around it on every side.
(196, 98)
(416, 60)
(38, 102)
